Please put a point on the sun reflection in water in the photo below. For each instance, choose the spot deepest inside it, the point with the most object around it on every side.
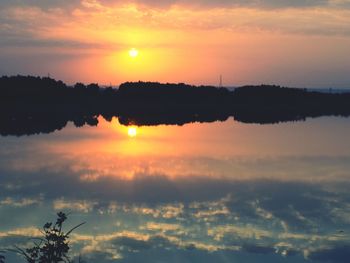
(132, 131)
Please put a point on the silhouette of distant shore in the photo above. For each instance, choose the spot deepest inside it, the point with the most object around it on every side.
(31, 105)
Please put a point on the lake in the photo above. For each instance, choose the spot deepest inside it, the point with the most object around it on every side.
(201, 192)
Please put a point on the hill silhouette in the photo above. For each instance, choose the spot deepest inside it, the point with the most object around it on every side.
(32, 105)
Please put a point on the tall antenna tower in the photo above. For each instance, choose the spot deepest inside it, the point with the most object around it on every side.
(220, 83)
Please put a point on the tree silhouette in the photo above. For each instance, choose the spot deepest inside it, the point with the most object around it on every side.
(53, 247)
(32, 105)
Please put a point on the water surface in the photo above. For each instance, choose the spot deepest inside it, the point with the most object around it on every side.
(201, 192)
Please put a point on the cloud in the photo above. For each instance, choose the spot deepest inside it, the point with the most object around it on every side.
(18, 236)
(161, 211)
(23, 232)
(194, 3)
(164, 227)
(161, 196)
(238, 232)
(96, 17)
(131, 243)
(21, 202)
(184, 215)
(40, 3)
(268, 4)
(80, 206)
(138, 233)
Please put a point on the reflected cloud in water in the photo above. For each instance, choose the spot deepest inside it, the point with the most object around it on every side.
(168, 194)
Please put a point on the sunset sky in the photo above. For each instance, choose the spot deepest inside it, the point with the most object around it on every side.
(303, 43)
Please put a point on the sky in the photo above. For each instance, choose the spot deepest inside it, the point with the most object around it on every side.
(300, 43)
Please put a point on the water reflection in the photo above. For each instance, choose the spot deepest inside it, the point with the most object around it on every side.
(132, 131)
(198, 193)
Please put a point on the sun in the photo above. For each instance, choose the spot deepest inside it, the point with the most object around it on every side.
(133, 52)
(132, 131)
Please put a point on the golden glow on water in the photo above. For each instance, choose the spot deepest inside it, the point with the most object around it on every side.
(219, 149)
(133, 52)
(132, 131)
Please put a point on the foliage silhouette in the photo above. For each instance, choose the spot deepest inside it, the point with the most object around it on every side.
(53, 247)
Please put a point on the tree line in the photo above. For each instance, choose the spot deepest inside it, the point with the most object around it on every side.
(30, 105)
